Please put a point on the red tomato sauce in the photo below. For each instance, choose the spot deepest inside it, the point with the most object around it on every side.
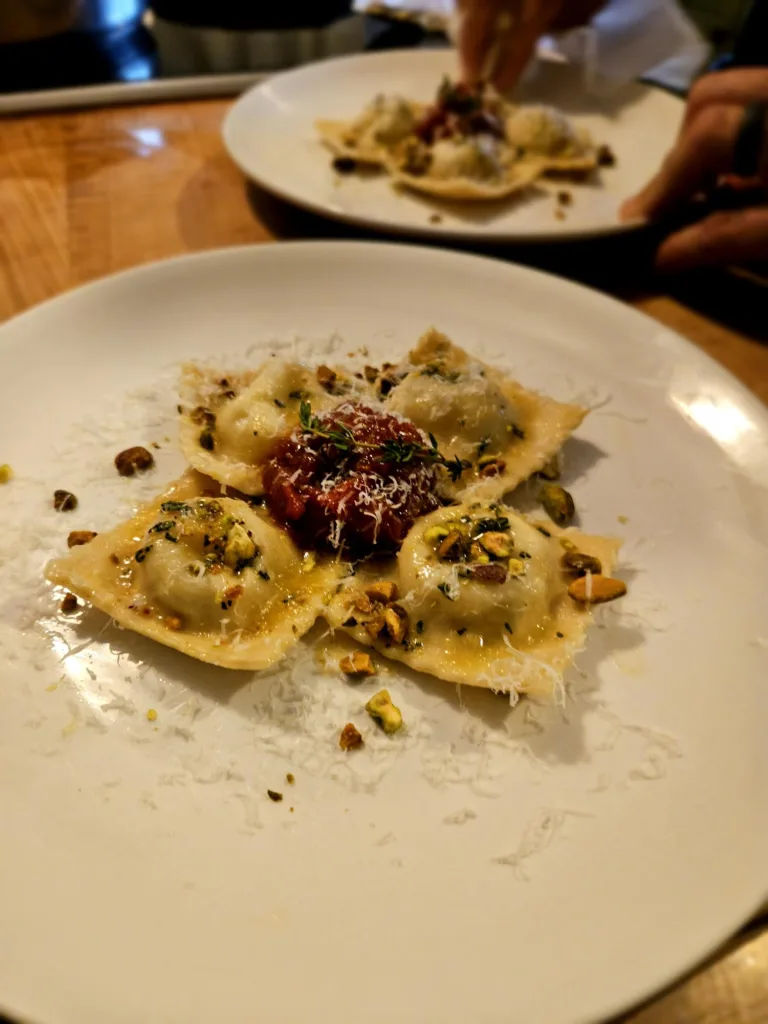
(358, 493)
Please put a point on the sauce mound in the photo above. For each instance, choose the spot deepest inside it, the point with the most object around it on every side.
(351, 479)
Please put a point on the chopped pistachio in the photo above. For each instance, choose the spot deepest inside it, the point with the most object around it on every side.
(383, 592)
(239, 548)
(435, 533)
(78, 537)
(362, 603)
(450, 547)
(396, 622)
(477, 554)
(151, 715)
(350, 737)
(357, 664)
(580, 564)
(558, 504)
(516, 567)
(382, 710)
(6, 473)
(497, 544)
(591, 589)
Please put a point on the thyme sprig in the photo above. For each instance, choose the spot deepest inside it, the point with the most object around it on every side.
(392, 450)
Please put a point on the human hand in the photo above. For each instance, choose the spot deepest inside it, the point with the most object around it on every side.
(702, 158)
(497, 38)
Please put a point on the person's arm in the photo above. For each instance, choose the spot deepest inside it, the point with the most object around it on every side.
(702, 156)
(479, 33)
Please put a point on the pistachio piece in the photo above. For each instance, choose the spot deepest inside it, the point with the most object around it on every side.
(435, 533)
(64, 501)
(495, 572)
(6, 473)
(326, 378)
(78, 537)
(374, 627)
(551, 469)
(370, 373)
(449, 548)
(396, 622)
(497, 544)
(477, 554)
(382, 592)
(133, 460)
(579, 563)
(350, 737)
(516, 567)
(382, 710)
(357, 664)
(558, 504)
(598, 589)
(173, 622)
(362, 603)
(240, 549)
(567, 544)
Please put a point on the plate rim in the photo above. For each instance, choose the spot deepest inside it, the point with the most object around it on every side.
(565, 234)
(673, 342)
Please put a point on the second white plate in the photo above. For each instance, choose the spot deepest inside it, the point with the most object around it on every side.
(269, 133)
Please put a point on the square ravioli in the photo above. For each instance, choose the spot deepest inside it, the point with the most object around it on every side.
(229, 420)
(502, 431)
(209, 575)
(481, 596)
(370, 137)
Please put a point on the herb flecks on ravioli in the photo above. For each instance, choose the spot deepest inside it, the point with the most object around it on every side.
(207, 575)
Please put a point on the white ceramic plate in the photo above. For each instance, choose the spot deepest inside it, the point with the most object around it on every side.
(269, 133)
(490, 866)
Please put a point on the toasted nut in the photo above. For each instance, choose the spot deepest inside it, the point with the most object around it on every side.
(557, 503)
(240, 549)
(374, 627)
(517, 567)
(491, 465)
(449, 548)
(551, 470)
(69, 604)
(350, 737)
(78, 537)
(133, 460)
(173, 622)
(357, 664)
(581, 564)
(151, 715)
(477, 554)
(6, 473)
(382, 592)
(396, 622)
(207, 440)
(326, 377)
(435, 533)
(64, 501)
(497, 544)
(370, 373)
(274, 796)
(382, 710)
(362, 603)
(567, 544)
(495, 572)
(591, 589)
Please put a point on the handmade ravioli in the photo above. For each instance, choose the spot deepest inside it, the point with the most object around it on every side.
(546, 134)
(230, 421)
(503, 431)
(369, 138)
(479, 596)
(205, 574)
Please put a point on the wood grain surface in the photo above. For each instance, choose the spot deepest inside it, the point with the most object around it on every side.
(91, 193)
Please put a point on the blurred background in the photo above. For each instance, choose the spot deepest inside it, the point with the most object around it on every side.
(50, 44)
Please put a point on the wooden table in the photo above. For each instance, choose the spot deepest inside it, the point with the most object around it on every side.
(86, 194)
